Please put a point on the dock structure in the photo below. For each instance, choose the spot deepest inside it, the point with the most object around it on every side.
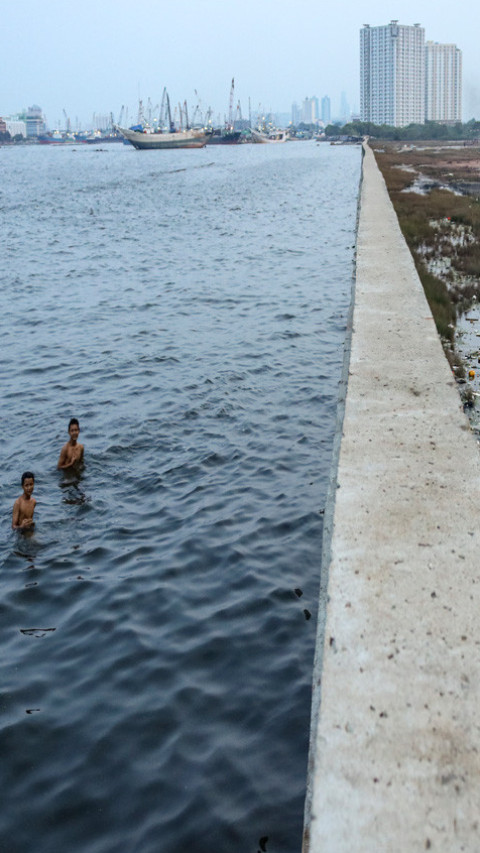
(394, 761)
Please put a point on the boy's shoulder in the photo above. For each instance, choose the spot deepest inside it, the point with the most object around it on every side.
(22, 499)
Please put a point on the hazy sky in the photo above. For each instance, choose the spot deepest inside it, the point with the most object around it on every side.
(89, 56)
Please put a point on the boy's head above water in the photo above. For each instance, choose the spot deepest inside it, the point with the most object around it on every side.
(71, 452)
(73, 428)
(27, 475)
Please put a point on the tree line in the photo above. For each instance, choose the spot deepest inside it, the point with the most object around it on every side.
(430, 130)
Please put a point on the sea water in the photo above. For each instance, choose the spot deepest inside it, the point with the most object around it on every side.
(158, 627)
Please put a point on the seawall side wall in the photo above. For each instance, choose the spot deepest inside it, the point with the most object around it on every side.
(395, 742)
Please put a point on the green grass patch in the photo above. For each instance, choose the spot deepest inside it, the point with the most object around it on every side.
(438, 224)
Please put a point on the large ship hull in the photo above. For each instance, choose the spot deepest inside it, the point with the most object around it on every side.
(178, 139)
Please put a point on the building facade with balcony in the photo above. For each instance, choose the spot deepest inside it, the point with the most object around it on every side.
(392, 74)
(443, 83)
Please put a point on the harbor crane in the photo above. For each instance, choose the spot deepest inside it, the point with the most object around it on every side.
(230, 106)
(67, 121)
(198, 109)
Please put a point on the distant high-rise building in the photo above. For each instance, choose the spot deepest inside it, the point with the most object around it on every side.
(295, 114)
(310, 110)
(344, 108)
(443, 82)
(34, 121)
(392, 74)
(326, 110)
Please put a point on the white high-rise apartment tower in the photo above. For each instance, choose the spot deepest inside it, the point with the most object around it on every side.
(443, 82)
(392, 74)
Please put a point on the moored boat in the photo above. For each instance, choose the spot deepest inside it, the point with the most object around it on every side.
(149, 138)
(55, 137)
(273, 136)
(224, 137)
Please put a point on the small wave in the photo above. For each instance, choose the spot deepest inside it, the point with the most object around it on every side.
(38, 633)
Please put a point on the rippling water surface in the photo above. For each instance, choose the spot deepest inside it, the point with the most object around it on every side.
(189, 307)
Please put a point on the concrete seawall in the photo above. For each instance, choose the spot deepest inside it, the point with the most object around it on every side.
(395, 743)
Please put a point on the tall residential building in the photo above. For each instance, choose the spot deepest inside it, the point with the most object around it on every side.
(326, 111)
(392, 74)
(443, 82)
(310, 110)
(296, 117)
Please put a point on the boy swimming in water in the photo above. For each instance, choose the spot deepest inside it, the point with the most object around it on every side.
(71, 452)
(22, 518)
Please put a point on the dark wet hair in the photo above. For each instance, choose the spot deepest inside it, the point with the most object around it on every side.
(73, 422)
(27, 475)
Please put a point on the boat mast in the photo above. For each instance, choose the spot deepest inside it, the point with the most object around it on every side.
(162, 118)
(170, 122)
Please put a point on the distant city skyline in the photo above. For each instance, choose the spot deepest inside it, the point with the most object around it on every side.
(95, 58)
(310, 110)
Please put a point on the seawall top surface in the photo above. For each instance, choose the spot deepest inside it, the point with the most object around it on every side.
(396, 753)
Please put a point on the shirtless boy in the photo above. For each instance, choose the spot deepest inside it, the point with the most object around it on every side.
(22, 518)
(71, 452)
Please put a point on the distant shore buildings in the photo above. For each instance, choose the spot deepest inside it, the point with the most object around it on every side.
(30, 124)
(13, 127)
(318, 111)
(404, 80)
(16, 127)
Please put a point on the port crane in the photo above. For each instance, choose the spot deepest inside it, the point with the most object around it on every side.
(67, 121)
(230, 106)
(198, 109)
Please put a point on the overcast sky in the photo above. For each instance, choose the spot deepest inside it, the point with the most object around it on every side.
(89, 56)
